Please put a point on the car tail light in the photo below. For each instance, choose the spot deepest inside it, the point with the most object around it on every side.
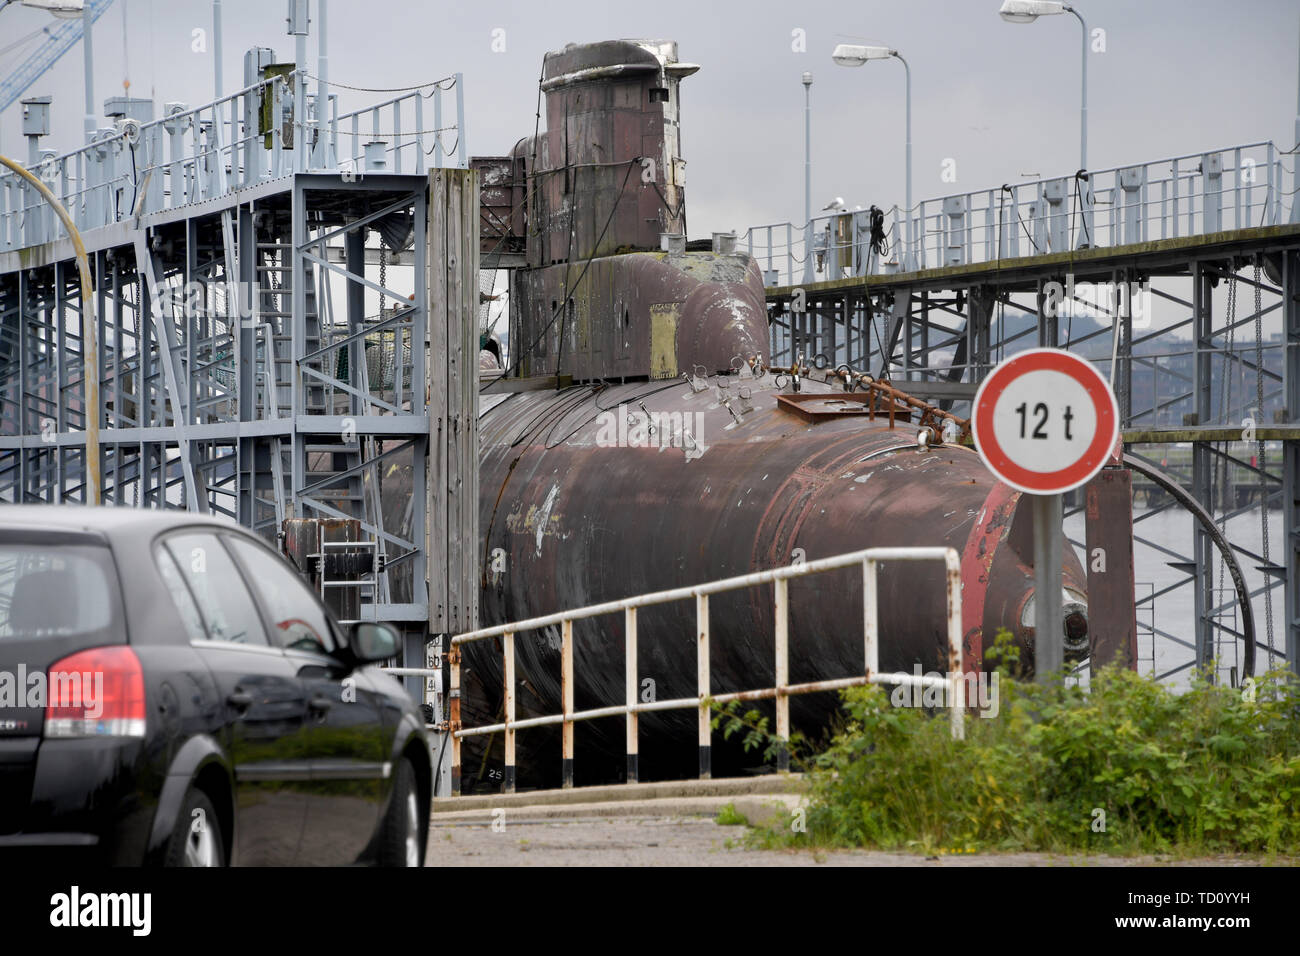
(95, 693)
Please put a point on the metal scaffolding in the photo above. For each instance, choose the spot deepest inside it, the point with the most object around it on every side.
(1172, 310)
(263, 278)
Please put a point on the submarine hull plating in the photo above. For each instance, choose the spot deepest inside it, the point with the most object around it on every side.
(581, 503)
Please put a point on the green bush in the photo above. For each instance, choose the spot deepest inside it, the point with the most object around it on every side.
(1125, 766)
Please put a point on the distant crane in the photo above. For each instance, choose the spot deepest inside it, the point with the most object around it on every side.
(57, 42)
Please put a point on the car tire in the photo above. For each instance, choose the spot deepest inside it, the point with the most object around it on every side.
(196, 839)
(402, 837)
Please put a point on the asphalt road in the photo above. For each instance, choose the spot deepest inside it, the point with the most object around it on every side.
(517, 840)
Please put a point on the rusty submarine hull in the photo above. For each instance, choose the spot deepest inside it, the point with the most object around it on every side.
(636, 440)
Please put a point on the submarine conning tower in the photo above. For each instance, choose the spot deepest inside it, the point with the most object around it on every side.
(606, 288)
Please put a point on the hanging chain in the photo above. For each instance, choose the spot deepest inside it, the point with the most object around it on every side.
(1225, 407)
(1262, 461)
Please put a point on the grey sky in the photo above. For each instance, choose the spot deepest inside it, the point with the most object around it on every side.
(1178, 76)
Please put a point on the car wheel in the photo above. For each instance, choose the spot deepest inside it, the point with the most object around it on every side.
(196, 841)
(401, 842)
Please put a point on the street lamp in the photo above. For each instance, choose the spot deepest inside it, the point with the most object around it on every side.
(807, 148)
(63, 9)
(849, 54)
(1027, 11)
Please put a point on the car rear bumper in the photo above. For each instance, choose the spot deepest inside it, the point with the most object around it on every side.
(90, 798)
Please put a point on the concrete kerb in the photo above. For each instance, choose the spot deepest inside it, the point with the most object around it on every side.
(757, 799)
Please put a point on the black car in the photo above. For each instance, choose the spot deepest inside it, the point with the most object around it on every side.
(172, 692)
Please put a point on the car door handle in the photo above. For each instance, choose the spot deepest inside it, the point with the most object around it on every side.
(320, 705)
(240, 699)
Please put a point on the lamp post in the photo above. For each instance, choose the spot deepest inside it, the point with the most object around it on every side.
(74, 10)
(88, 68)
(807, 180)
(807, 148)
(848, 54)
(1027, 11)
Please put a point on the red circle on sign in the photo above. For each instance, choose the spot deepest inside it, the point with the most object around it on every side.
(1076, 472)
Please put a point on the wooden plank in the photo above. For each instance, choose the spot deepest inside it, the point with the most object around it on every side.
(436, 516)
(452, 492)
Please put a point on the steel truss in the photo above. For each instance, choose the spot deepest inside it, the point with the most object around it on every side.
(235, 379)
(1202, 389)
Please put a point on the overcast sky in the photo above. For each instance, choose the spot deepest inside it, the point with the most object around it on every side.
(1176, 77)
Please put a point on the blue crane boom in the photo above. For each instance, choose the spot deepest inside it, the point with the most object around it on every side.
(58, 41)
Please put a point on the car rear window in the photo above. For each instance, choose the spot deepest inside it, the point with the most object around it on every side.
(53, 590)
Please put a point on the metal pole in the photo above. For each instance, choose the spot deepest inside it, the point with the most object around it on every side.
(907, 263)
(1049, 650)
(89, 331)
(299, 19)
(453, 711)
(782, 609)
(322, 81)
(1295, 205)
(702, 685)
(216, 49)
(1083, 110)
(566, 702)
(87, 25)
(807, 148)
(629, 618)
(508, 650)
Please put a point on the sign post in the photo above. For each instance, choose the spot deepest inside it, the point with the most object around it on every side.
(1045, 422)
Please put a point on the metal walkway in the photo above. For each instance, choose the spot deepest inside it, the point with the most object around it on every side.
(1167, 275)
(282, 296)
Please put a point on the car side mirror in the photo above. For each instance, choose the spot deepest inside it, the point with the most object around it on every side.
(370, 641)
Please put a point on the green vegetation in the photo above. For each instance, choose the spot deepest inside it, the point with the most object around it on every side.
(728, 817)
(1127, 766)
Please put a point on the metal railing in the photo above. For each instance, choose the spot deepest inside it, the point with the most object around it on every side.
(263, 132)
(1197, 194)
(869, 559)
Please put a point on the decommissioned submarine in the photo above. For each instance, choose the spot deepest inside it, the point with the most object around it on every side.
(664, 451)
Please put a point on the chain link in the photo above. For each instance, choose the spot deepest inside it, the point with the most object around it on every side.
(1262, 462)
(1225, 406)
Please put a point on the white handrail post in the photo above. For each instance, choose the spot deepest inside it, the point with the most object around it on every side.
(782, 673)
(508, 652)
(453, 714)
(702, 675)
(629, 619)
(957, 675)
(566, 693)
(870, 618)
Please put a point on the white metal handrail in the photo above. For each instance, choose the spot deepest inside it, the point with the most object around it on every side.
(1196, 194)
(869, 559)
(198, 154)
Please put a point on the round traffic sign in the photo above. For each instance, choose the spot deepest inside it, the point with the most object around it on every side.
(1045, 421)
